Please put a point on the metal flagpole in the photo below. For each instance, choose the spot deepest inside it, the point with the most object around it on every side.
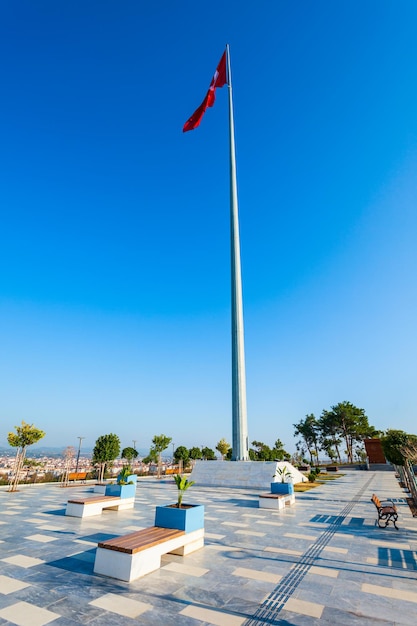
(240, 426)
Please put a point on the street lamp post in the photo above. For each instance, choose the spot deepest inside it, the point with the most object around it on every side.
(78, 455)
(134, 447)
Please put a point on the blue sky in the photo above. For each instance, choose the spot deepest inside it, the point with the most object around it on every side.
(114, 237)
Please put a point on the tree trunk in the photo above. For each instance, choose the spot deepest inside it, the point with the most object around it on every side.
(348, 448)
(20, 457)
(337, 452)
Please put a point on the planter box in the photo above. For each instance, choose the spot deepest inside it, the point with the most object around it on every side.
(121, 491)
(189, 518)
(131, 478)
(282, 488)
(100, 488)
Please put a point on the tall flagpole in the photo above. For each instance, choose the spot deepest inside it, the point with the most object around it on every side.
(240, 426)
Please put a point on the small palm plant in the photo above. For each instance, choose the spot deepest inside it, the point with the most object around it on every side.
(283, 473)
(183, 484)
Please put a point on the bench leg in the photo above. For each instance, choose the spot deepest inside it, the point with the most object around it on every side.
(126, 503)
(189, 547)
(124, 566)
(83, 510)
(272, 503)
(386, 519)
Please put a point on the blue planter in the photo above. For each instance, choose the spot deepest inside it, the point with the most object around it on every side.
(121, 491)
(282, 488)
(188, 519)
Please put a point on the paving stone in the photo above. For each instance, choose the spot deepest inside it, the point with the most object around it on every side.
(324, 556)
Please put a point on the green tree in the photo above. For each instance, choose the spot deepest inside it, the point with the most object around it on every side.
(106, 450)
(262, 452)
(349, 423)
(195, 453)
(208, 454)
(393, 443)
(223, 447)
(329, 436)
(129, 454)
(159, 444)
(182, 454)
(308, 430)
(278, 452)
(152, 457)
(25, 435)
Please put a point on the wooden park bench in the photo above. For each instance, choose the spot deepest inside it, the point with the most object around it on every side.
(87, 507)
(387, 512)
(77, 476)
(136, 554)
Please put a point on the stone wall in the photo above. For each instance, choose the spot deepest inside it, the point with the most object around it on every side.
(242, 474)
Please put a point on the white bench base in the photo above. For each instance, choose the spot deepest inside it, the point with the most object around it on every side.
(89, 509)
(275, 501)
(128, 567)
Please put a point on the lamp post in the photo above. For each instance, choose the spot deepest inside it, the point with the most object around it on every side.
(78, 455)
(134, 447)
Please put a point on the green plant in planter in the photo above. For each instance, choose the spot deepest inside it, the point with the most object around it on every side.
(125, 472)
(182, 484)
(283, 473)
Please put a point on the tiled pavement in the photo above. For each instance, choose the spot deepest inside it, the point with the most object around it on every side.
(322, 561)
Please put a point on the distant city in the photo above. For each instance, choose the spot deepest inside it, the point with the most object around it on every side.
(36, 452)
(48, 463)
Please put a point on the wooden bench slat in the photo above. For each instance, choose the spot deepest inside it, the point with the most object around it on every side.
(141, 539)
(94, 499)
(271, 495)
(387, 511)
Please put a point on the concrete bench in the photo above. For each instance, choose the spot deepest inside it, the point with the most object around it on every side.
(87, 507)
(136, 554)
(275, 501)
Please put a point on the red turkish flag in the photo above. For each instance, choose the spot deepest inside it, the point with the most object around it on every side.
(219, 79)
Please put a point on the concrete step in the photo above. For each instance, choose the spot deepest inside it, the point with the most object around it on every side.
(381, 467)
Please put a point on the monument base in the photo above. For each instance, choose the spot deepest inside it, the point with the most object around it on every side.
(242, 474)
